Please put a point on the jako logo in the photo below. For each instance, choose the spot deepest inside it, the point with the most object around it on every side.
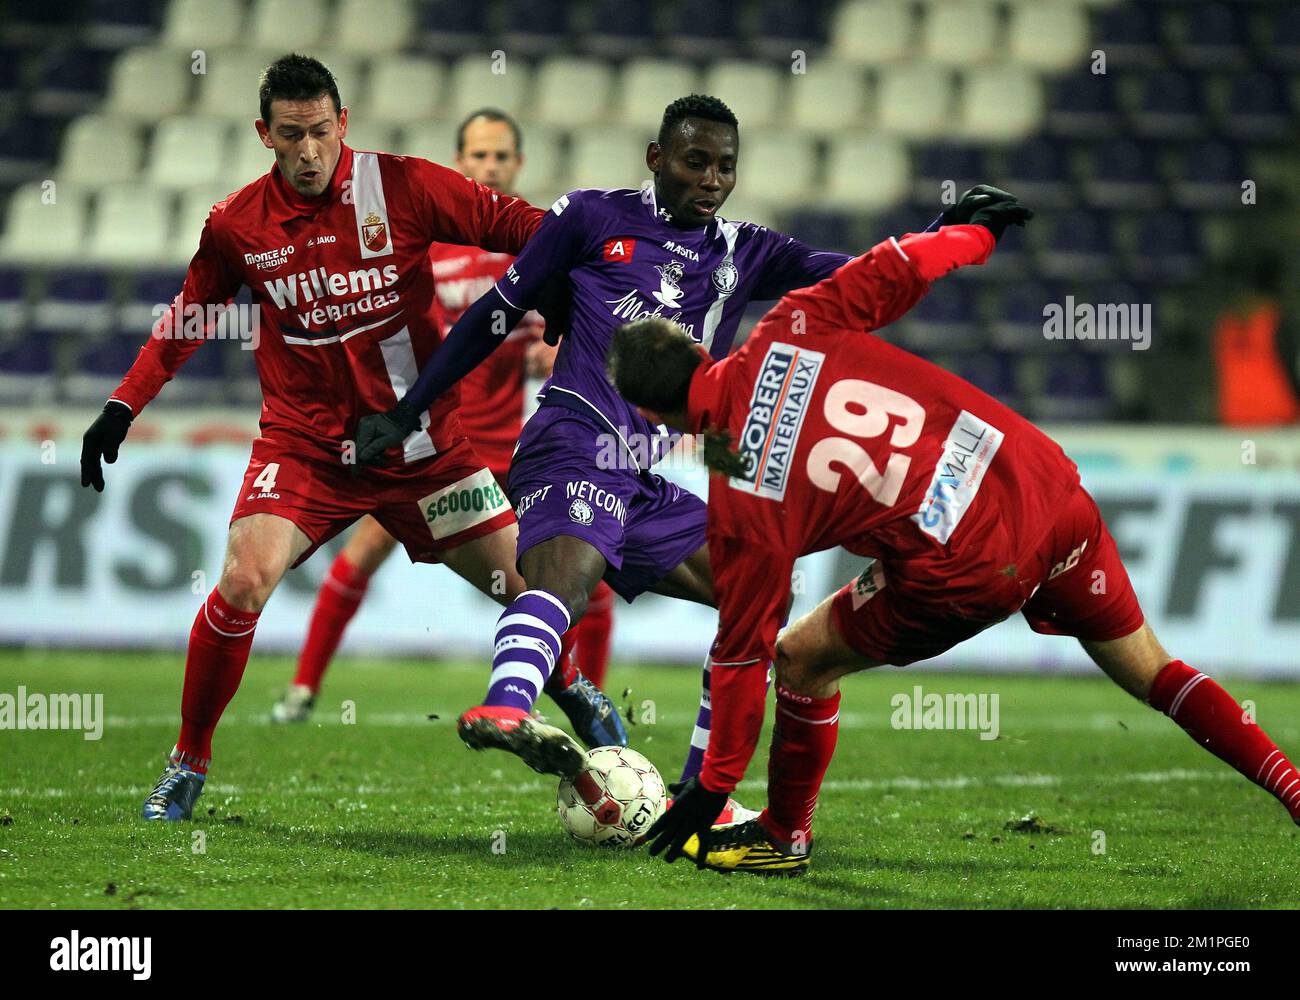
(102, 954)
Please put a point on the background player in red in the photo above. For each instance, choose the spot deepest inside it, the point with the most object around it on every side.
(970, 512)
(489, 149)
(334, 245)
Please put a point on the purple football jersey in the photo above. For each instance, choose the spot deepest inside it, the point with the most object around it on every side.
(628, 261)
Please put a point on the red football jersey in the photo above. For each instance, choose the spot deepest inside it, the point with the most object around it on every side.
(849, 440)
(345, 290)
(492, 395)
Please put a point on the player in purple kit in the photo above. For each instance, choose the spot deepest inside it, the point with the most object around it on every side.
(588, 505)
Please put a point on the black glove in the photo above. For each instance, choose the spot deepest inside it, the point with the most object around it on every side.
(103, 438)
(555, 303)
(694, 810)
(378, 432)
(980, 196)
(995, 218)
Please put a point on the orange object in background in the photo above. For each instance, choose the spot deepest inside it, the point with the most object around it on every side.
(1254, 388)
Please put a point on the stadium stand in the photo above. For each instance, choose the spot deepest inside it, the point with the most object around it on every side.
(124, 123)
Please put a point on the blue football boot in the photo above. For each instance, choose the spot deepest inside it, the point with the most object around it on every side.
(592, 715)
(175, 793)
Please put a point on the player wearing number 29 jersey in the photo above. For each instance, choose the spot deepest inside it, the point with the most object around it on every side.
(836, 437)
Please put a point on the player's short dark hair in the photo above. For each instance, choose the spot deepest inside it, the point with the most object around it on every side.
(295, 77)
(651, 362)
(694, 106)
(492, 115)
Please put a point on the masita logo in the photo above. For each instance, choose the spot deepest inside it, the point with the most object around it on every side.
(781, 396)
(75, 953)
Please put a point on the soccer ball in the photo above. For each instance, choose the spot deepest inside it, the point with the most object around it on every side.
(613, 800)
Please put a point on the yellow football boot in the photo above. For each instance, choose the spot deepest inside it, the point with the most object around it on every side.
(746, 847)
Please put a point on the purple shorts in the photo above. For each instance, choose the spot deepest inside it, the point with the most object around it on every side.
(644, 525)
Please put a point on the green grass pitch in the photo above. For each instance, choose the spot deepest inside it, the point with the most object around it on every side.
(392, 811)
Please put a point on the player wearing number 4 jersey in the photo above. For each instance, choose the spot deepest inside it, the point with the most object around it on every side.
(334, 245)
(970, 513)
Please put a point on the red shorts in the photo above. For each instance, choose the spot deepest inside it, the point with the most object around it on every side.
(429, 506)
(1073, 585)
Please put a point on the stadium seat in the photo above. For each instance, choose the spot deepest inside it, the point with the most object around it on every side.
(71, 80)
(1167, 246)
(1208, 36)
(647, 86)
(1048, 35)
(1035, 170)
(14, 312)
(944, 320)
(248, 159)
(189, 151)
(100, 364)
(101, 149)
(958, 32)
(38, 231)
(571, 92)
(999, 104)
(435, 140)
(368, 134)
(1208, 175)
(866, 172)
(27, 368)
(183, 236)
(826, 230)
(873, 32)
(373, 26)
(534, 27)
(1258, 108)
(610, 158)
(475, 85)
(403, 89)
(543, 169)
(131, 225)
(286, 25)
(618, 29)
(915, 101)
(1283, 45)
(348, 69)
(451, 27)
(149, 83)
(1017, 316)
(1074, 245)
(148, 291)
(1129, 36)
(782, 27)
(702, 29)
(777, 167)
(80, 300)
(1074, 387)
(1167, 104)
(1082, 104)
(829, 97)
(991, 372)
(229, 87)
(938, 164)
(752, 90)
(202, 24)
(1122, 174)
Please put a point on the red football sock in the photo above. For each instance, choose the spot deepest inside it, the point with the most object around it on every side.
(565, 672)
(594, 631)
(803, 743)
(1213, 719)
(219, 643)
(341, 593)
